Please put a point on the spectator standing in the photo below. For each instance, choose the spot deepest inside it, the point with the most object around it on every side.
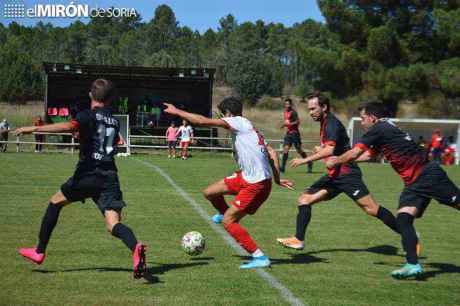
(4, 129)
(40, 138)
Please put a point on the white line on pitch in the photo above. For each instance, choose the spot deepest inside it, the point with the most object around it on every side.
(285, 292)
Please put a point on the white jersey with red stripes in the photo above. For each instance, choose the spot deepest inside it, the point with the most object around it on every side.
(250, 149)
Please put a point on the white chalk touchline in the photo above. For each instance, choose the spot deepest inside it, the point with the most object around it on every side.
(271, 280)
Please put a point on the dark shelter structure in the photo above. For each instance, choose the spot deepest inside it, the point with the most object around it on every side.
(141, 92)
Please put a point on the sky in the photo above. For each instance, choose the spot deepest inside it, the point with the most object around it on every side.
(196, 14)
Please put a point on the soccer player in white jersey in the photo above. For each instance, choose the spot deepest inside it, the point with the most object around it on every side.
(251, 185)
(186, 136)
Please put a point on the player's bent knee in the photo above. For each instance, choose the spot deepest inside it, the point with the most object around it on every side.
(110, 225)
(408, 210)
(228, 220)
(209, 194)
(370, 210)
(58, 199)
(305, 199)
(206, 194)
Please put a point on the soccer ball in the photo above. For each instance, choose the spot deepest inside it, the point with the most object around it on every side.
(193, 243)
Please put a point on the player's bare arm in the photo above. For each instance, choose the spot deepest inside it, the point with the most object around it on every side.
(321, 152)
(49, 128)
(274, 163)
(366, 156)
(121, 141)
(195, 118)
(350, 155)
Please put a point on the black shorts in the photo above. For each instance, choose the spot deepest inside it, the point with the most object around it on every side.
(292, 139)
(432, 183)
(171, 144)
(351, 184)
(100, 185)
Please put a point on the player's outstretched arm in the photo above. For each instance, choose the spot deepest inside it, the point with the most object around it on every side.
(195, 118)
(350, 155)
(275, 165)
(320, 153)
(49, 128)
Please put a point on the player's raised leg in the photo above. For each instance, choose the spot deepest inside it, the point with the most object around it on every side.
(372, 208)
(125, 234)
(214, 193)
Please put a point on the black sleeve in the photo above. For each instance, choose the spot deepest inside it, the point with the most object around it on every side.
(372, 138)
(332, 131)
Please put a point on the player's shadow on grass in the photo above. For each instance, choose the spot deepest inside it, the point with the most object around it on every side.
(299, 258)
(149, 275)
(441, 268)
(385, 249)
(380, 249)
(163, 268)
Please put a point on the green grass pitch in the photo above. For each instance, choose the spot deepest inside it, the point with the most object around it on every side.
(347, 259)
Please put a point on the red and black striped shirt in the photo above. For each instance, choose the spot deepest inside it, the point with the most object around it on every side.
(398, 147)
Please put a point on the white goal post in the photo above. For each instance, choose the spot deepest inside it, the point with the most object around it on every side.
(124, 130)
(416, 128)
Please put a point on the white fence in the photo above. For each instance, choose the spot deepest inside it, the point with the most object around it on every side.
(144, 142)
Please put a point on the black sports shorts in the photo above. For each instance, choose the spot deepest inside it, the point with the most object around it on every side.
(292, 138)
(351, 184)
(432, 183)
(171, 144)
(102, 186)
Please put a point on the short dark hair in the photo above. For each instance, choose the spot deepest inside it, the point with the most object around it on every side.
(231, 104)
(322, 100)
(374, 108)
(288, 100)
(102, 90)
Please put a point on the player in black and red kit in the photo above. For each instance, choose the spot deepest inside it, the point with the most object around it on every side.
(95, 175)
(292, 137)
(423, 179)
(342, 178)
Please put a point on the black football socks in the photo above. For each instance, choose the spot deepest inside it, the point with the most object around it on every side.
(405, 224)
(387, 217)
(126, 235)
(303, 219)
(283, 162)
(48, 223)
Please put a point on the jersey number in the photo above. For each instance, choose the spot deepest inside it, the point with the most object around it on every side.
(106, 139)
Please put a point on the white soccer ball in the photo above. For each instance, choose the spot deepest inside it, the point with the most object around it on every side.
(193, 243)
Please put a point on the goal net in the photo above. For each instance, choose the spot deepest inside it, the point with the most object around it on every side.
(416, 128)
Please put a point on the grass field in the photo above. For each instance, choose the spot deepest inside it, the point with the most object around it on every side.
(347, 259)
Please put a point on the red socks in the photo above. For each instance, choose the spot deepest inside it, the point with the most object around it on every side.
(241, 236)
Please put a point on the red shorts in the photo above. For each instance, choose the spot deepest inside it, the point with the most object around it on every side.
(249, 197)
(184, 144)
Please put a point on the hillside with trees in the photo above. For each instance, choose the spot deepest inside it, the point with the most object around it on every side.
(390, 50)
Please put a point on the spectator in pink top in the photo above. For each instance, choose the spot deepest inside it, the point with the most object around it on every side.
(171, 138)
